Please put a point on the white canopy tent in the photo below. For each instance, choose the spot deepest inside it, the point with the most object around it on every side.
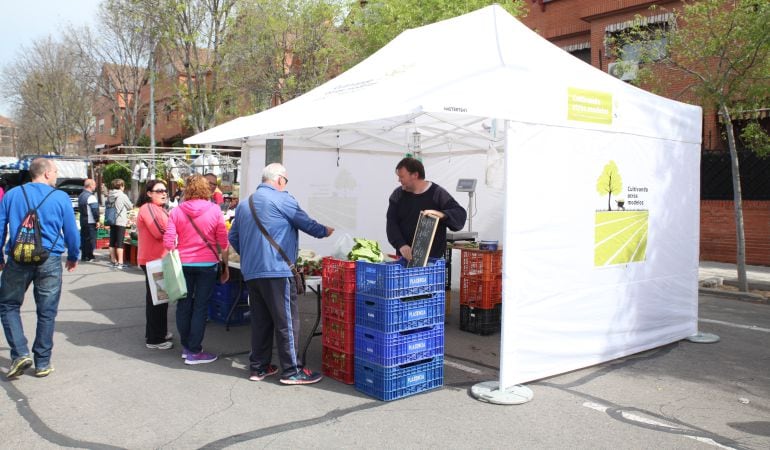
(581, 284)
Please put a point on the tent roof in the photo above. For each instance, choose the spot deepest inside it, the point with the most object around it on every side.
(444, 80)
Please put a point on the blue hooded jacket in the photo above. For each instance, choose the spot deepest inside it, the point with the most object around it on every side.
(282, 217)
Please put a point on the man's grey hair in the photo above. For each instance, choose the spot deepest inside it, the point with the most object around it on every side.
(38, 167)
(273, 171)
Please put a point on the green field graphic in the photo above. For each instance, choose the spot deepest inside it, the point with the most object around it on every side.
(620, 237)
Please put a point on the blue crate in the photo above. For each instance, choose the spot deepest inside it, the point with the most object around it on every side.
(399, 314)
(390, 383)
(395, 280)
(222, 301)
(393, 349)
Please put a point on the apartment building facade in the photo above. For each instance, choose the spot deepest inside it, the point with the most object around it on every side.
(8, 137)
(582, 28)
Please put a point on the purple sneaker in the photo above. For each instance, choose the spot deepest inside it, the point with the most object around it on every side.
(200, 358)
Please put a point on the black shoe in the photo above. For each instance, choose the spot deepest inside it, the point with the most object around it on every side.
(304, 376)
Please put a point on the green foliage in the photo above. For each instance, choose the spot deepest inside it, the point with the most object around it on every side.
(114, 171)
(756, 139)
(609, 182)
(379, 21)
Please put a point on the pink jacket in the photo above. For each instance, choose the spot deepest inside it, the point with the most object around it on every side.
(150, 237)
(181, 235)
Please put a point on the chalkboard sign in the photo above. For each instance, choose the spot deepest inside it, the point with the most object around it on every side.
(273, 151)
(423, 240)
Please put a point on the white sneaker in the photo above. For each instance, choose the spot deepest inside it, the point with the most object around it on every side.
(162, 346)
(169, 336)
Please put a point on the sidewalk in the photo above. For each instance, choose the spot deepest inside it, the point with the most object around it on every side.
(729, 272)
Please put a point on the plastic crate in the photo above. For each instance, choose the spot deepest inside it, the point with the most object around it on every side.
(102, 233)
(481, 293)
(338, 334)
(390, 383)
(399, 314)
(393, 349)
(480, 321)
(338, 365)
(338, 274)
(395, 280)
(103, 243)
(482, 263)
(341, 305)
(222, 301)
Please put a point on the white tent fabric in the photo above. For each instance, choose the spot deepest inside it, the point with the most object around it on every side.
(582, 284)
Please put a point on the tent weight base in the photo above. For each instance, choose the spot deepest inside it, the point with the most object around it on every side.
(489, 391)
(703, 338)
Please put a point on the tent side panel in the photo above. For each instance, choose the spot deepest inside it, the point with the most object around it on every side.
(601, 248)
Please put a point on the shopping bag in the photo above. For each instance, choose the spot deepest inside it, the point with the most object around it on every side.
(173, 277)
(155, 280)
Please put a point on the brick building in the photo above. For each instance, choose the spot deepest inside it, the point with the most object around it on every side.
(8, 137)
(581, 27)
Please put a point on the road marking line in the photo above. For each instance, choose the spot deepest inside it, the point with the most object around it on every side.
(640, 419)
(736, 325)
(461, 367)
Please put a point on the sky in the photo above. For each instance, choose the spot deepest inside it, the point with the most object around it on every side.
(24, 21)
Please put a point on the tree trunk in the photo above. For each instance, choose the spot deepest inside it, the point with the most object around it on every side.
(743, 282)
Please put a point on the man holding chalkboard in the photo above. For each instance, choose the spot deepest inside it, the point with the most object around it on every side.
(414, 196)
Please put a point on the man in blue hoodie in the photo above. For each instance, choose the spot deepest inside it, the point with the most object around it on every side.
(272, 289)
(56, 217)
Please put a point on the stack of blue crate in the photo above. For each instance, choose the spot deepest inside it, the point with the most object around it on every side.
(399, 331)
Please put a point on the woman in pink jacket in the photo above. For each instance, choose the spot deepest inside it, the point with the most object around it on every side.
(150, 227)
(197, 229)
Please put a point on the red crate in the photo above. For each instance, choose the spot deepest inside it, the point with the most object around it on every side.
(482, 293)
(338, 334)
(338, 365)
(338, 274)
(103, 243)
(340, 305)
(484, 263)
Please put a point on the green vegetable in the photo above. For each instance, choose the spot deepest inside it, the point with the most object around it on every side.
(365, 249)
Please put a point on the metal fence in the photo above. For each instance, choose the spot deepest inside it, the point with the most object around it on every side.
(716, 182)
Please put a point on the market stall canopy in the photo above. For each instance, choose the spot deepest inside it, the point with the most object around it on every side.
(444, 80)
(16, 165)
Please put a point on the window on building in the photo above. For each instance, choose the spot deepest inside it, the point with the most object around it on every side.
(583, 55)
(101, 126)
(639, 40)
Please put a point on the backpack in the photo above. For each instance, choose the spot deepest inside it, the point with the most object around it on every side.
(28, 246)
(110, 213)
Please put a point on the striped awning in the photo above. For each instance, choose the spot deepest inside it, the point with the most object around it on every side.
(18, 165)
(576, 47)
(748, 114)
(640, 22)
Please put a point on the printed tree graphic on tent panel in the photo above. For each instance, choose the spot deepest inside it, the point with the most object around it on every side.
(609, 182)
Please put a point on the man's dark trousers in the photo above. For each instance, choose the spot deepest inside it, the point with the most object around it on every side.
(87, 240)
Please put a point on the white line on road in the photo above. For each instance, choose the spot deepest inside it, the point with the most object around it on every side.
(461, 367)
(736, 325)
(640, 419)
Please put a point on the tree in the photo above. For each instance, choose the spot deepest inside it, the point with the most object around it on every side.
(52, 100)
(723, 48)
(120, 50)
(282, 49)
(609, 182)
(377, 22)
(193, 36)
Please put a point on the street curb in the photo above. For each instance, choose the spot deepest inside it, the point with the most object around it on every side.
(742, 296)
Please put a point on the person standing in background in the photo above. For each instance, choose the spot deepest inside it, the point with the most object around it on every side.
(195, 228)
(118, 231)
(271, 284)
(88, 207)
(216, 193)
(58, 230)
(151, 224)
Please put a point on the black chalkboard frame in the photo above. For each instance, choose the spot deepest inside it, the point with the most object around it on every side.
(423, 239)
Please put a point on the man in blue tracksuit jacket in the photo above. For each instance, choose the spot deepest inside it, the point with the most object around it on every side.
(59, 230)
(272, 289)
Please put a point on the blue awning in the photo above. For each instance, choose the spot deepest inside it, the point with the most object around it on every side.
(18, 165)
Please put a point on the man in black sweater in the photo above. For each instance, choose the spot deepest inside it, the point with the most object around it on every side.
(414, 196)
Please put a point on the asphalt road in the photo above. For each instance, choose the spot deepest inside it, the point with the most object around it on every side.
(109, 391)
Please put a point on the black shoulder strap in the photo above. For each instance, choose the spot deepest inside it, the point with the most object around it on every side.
(154, 219)
(267, 235)
(37, 221)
